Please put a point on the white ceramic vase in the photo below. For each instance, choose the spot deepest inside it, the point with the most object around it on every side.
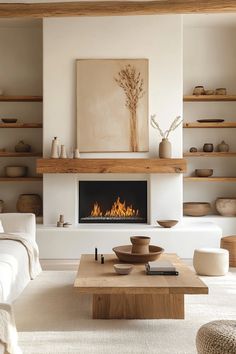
(63, 154)
(54, 148)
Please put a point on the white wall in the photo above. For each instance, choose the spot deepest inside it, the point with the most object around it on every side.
(20, 74)
(158, 38)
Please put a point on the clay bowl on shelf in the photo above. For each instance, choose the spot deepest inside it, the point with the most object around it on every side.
(9, 120)
(167, 223)
(140, 244)
(204, 172)
(16, 171)
(196, 208)
(226, 206)
(124, 253)
(123, 269)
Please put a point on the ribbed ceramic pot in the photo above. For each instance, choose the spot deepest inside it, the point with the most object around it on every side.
(165, 149)
(223, 147)
(29, 203)
(226, 206)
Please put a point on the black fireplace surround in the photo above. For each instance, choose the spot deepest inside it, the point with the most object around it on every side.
(113, 202)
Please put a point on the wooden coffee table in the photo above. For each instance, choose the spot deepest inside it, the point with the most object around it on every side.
(136, 295)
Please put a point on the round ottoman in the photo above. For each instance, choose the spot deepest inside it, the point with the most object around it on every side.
(217, 337)
(229, 243)
(211, 261)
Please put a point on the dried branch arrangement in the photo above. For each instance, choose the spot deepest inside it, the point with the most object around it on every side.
(176, 122)
(129, 79)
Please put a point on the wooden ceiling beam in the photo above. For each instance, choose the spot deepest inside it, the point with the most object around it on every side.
(115, 8)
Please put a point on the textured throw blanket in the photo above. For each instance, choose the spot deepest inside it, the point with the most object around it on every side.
(8, 331)
(31, 248)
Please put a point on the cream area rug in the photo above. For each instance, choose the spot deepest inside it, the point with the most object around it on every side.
(52, 318)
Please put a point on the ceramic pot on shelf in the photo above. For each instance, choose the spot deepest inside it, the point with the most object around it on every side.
(208, 147)
(226, 206)
(29, 203)
(223, 147)
(165, 149)
(22, 147)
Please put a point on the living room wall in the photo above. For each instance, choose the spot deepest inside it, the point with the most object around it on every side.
(157, 38)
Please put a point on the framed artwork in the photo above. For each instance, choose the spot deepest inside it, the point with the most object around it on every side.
(112, 105)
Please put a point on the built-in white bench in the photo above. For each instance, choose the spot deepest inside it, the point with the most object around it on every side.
(70, 243)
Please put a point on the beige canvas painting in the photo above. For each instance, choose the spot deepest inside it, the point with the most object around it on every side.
(112, 105)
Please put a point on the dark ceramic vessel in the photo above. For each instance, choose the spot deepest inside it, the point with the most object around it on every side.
(208, 147)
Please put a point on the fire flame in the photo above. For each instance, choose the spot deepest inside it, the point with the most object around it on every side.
(118, 209)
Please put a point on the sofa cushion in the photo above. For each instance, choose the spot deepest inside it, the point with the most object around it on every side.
(1, 227)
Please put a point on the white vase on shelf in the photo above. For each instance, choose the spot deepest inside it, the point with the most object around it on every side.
(76, 154)
(63, 154)
(54, 148)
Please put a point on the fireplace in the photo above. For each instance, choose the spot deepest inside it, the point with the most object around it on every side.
(113, 202)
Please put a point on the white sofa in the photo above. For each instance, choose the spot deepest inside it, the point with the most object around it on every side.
(18, 261)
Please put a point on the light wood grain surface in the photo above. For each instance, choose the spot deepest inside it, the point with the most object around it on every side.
(19, 98)
(208, 98)
(210, 125)
(96, 278)
(115, 8)
(107, 165)
(210, 179)
(209, 154)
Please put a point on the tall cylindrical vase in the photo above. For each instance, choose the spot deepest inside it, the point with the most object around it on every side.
(165, 149)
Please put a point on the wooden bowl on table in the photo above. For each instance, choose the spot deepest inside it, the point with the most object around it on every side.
(123, 269)
(124, 253)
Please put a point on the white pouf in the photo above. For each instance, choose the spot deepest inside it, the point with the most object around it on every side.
(211, 261)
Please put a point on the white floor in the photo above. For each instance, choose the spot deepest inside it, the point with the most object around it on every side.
(53, 319)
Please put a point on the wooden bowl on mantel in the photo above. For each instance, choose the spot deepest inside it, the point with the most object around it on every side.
(124, 253)
(167, 223)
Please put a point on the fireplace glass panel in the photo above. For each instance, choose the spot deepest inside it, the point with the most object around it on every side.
(113, 202)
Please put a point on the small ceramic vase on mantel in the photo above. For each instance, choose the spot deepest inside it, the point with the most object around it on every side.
(165, 149)
(63, 154)
(55, 148)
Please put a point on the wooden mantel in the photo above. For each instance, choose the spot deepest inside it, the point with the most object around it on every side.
(115, 8)
(124, 165)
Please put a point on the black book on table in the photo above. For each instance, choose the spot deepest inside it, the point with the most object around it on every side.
(160, 272)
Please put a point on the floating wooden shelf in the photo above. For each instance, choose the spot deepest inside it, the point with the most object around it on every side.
(20, 179)
(20, 154)
(114, 8)
(210, 179)
(209, 98)
(5, 98)
(124, 165)
(21, 125)
(210, 125)
(209, 154)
